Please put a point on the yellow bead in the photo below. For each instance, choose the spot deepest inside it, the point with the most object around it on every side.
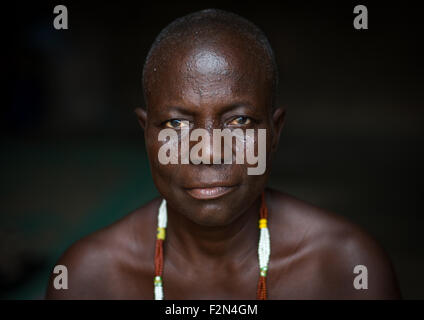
(158, 281)
(161, 233)
(262, 223)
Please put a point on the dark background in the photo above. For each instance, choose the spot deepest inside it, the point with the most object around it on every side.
(73, 157)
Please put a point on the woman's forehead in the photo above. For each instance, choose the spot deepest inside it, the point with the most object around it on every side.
(209, 61)
(208, 73)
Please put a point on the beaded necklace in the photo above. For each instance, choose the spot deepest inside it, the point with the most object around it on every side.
(264, 250)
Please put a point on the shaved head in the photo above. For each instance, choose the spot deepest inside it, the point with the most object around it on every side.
(211, 45)
(210, 70)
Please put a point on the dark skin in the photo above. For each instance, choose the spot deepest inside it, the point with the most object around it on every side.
(211, 245)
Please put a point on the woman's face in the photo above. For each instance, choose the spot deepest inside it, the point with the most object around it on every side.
(210, 87)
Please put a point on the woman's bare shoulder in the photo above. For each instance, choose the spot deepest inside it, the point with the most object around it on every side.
(333, 248)
(95, 261)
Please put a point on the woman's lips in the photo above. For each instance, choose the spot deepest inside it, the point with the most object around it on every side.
(209, 193)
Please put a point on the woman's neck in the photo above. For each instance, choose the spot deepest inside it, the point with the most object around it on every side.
(195, 242)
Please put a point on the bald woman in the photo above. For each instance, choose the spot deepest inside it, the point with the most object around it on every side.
(216, 70)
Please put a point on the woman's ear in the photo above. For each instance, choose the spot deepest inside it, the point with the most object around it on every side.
(141, 116)
(278, 118)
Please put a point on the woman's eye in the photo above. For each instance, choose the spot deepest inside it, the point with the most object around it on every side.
(176, 123)
(240, 121)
